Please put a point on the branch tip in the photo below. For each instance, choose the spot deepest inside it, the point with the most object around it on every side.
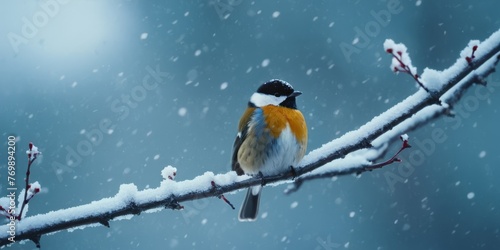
(105, 223)
(394, 158)
(470, 58)
(36, 239)
(221, 196)
(401, 63)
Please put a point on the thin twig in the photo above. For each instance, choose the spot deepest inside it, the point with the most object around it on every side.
(406, 69)
(27, 184)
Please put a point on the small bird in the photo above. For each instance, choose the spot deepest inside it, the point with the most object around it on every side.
(272, 138)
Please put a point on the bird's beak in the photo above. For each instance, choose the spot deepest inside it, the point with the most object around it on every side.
(295, 94)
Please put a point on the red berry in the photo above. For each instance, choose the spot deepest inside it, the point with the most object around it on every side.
(474, 48)
(396, 69)
(36, 190)
(400, 53)
(468, 59)
(29, 186)
(389, 50)
(30, 145)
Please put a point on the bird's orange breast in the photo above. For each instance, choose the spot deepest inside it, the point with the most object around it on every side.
(277, 117)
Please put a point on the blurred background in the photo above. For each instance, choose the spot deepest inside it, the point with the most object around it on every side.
(113, 91)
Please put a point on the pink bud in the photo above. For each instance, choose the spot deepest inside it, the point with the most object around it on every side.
(30, 145)
(400, 53)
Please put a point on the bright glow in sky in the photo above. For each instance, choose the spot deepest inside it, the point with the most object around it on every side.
(77, 28)
(65, 34)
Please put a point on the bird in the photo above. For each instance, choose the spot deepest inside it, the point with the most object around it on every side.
(271, 139)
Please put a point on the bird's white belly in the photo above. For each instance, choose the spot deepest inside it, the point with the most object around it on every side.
(277, 158)
(282, 155)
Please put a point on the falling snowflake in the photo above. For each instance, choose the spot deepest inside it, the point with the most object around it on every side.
(470, 195)
(223, 86)
(265, 63)
(182, 111)
(482, 154)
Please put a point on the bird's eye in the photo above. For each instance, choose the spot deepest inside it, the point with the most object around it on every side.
(277, 94)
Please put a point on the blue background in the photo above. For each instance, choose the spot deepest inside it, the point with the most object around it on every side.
(68, 73)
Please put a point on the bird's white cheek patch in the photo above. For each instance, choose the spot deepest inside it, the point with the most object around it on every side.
(261, 100)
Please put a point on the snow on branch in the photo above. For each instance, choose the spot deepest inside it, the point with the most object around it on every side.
(352, 153)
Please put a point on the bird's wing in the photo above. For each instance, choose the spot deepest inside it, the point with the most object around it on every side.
(240, 138)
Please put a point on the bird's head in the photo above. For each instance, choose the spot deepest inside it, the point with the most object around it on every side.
(275, 92)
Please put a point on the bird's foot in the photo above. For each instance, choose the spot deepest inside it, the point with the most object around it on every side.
(263, 181)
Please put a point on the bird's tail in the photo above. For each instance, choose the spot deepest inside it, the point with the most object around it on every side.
(250, 207)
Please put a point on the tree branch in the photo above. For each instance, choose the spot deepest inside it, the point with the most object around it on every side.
(349, 154)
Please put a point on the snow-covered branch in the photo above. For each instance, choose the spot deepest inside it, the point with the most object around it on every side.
(354, 152)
